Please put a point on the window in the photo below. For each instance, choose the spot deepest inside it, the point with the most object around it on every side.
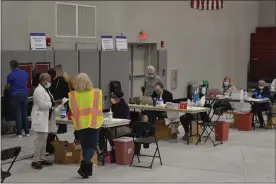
(78, 21)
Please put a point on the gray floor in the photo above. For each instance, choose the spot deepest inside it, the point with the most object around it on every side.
(246, 157)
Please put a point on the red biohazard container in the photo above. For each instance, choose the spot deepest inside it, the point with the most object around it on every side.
(124, 149)
(222, 131)
(244, 121)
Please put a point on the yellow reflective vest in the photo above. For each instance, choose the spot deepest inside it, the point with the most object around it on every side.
(86, 109)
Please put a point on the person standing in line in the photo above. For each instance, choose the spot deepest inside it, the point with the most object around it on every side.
(17, 82)
(61, 86)
(43, 119)
(85, 103)
(150, 80)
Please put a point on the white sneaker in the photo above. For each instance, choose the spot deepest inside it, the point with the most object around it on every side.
(19, 136)
(27, 135)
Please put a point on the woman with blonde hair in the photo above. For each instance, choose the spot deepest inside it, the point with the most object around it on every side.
(227, 87)
(61, 86)
(86, 108)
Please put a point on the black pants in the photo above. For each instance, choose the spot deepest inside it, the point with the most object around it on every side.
(19, 107)
(89, 140)
(103, 135)
(225, 104)
(258, 109)
(185, 120)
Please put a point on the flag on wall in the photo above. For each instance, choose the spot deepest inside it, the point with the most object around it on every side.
(207, 4)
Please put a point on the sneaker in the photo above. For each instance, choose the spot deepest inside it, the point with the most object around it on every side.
(37, 165)
(45, 162)
(19, 136)
(27, 135)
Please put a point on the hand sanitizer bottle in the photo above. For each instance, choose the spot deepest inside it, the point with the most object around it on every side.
(110, 115)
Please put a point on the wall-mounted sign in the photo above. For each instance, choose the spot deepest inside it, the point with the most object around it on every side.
(121, 42)
(107, 43)
(38, 41)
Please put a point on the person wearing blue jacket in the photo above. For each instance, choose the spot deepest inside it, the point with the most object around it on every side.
(261, 92)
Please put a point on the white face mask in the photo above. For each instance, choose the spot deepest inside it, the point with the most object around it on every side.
(48, 85)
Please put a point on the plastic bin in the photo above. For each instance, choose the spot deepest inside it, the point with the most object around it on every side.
(124, 148)
(244, 121)
(222, 131)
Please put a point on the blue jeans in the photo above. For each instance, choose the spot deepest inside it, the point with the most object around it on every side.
(19, 106)
(89, 141)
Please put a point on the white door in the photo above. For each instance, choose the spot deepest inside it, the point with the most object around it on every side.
(137, 67)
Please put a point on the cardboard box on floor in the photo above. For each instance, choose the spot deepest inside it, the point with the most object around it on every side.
(193, 139)
(66, 153)
(164, 132)
(70, 153)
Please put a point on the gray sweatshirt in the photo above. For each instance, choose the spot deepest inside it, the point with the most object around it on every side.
(150, 84)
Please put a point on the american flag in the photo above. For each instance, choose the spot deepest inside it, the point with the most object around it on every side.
(207, 4)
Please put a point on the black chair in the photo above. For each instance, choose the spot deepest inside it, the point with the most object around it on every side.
(10, 153)
(209, 126)
(144, 133)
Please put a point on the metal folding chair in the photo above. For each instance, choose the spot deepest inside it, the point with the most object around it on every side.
(144, 133)
(10, 153)
(209, 126)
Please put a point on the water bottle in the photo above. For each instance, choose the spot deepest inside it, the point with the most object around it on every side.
(63, 113)
(110, 114)
(154, 101)
(245, 95)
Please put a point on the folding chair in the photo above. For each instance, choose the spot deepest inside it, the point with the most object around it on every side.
(209, 126)
(144, 133)
(42, 67)
(9, 154)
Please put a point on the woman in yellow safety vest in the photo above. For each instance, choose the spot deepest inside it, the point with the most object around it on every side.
(86, 108)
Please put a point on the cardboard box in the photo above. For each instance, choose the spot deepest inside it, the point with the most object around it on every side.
(271, 123)
(194, 139)
(163, 132)
(66, 153)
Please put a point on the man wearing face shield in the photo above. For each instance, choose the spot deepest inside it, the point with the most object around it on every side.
(261, 92)
(150, 80)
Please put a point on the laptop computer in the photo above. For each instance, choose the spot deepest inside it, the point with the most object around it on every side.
(143, 100)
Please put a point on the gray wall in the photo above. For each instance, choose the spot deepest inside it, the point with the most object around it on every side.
(267, 13)
(201, 44)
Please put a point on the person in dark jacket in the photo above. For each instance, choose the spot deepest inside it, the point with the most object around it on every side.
(59, 89)
(119, 106)
(159, 92)
(261, 92)
(119, 110)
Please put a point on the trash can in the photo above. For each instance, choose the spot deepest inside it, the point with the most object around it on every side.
(222, 131)
(244, 121)
(124, 149)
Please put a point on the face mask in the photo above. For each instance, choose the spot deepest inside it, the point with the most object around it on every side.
(48, 85)
(226, 84)
(261, 87)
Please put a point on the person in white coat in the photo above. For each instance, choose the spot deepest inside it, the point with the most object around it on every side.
(186, 119)
(43, 119)
(273, 85)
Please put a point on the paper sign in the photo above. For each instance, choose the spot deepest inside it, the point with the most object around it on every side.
(107, 43)
(38, 41)
(121, 43)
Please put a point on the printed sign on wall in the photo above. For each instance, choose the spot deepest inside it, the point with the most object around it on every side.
(121, 42)
(107, 43)
(38, 41)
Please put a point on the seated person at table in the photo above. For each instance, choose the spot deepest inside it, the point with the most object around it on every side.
(159, 92)
(227, 88)
(261, 92)
(120, 110)
(186, 119)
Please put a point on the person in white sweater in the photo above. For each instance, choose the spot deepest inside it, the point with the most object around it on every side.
(187, 118)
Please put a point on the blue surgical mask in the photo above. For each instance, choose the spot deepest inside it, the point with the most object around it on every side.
(226, 84)
(48, 85)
